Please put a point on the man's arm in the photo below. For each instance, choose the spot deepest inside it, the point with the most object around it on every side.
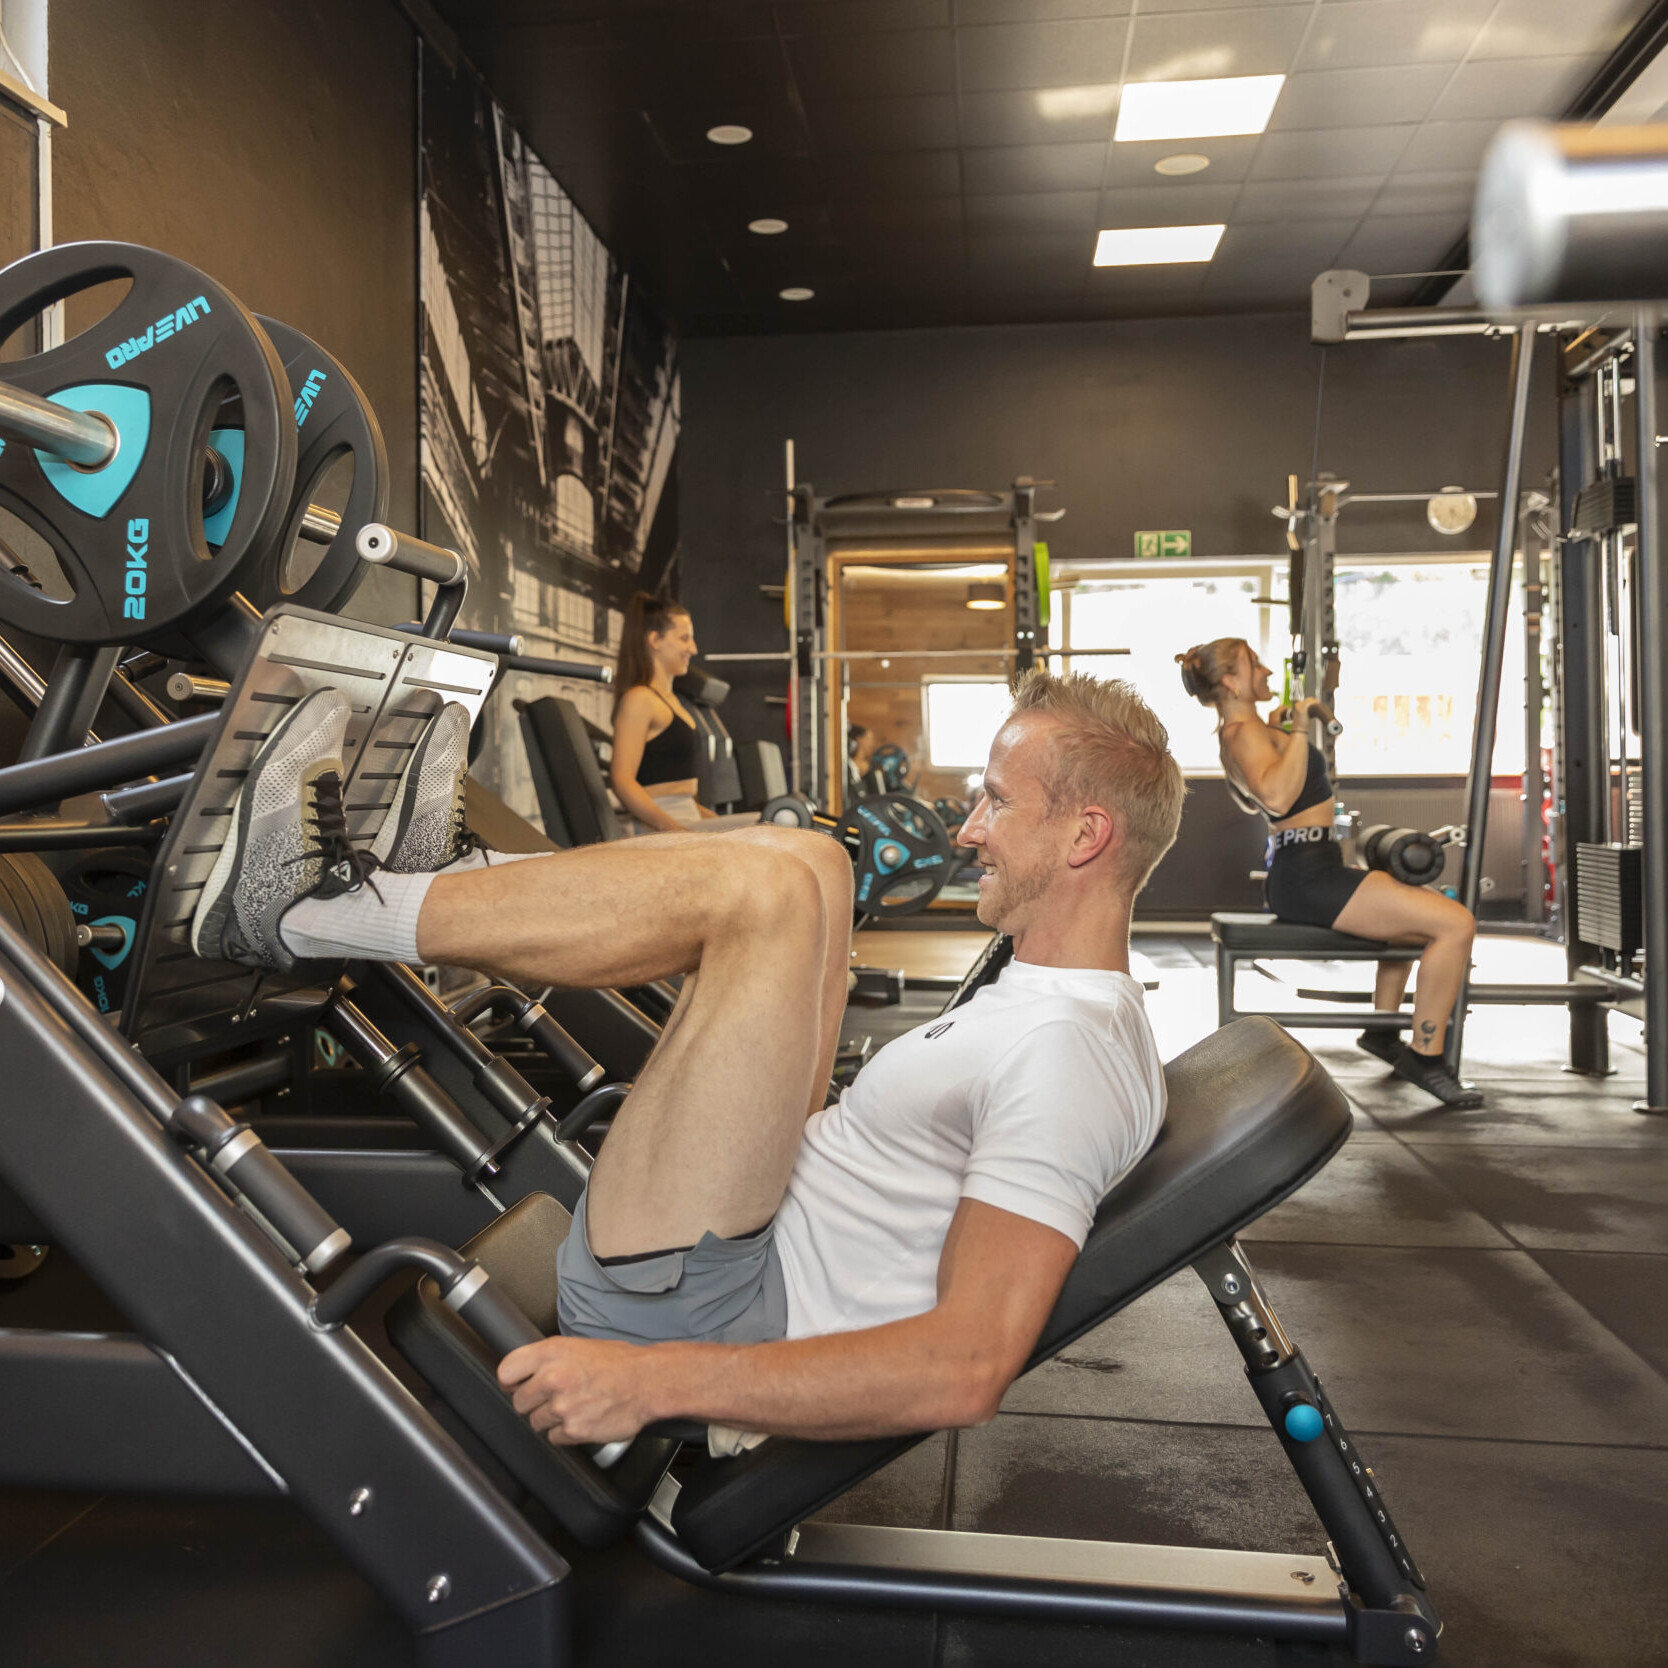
(998, 1277)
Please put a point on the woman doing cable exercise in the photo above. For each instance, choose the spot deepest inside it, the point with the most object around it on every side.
(657, 747)
(1277, 771)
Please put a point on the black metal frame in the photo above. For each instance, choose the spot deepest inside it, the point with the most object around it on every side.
(316, 1414)
(1379, 1613)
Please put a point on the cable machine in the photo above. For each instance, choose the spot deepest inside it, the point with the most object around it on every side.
(1609, 690)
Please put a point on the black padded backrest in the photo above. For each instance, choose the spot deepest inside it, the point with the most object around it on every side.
(697, 685)
(559, 744)
(1252, 1116)
(763, 778)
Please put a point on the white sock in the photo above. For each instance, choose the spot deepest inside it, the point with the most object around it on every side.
(378, 922)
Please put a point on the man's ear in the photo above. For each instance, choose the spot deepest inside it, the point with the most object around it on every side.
(1097, 831)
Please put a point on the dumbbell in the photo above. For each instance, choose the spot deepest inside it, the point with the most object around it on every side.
(792, 810)
(1405, 854)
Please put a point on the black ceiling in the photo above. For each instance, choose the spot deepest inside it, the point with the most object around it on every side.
(949, 161)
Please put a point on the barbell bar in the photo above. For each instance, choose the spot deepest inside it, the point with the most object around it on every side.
(89, 441)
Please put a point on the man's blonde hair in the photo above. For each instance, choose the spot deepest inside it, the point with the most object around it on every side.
(1111, 750)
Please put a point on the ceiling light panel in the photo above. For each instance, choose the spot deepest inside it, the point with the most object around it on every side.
(1197, 109)
(1156, 245)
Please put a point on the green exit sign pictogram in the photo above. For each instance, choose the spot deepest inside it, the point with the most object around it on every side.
(1151, 546)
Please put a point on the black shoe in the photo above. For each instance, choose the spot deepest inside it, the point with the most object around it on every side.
(1427, 1072)
(1383, 1044)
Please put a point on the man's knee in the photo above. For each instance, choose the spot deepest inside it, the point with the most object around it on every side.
(771, 892)
(827, 859)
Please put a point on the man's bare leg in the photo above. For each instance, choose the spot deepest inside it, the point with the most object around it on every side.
(707, 1139)
(830, 862)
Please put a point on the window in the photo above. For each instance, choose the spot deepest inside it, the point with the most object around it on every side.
(963, 717)
(1410, 642)
(1152, 613)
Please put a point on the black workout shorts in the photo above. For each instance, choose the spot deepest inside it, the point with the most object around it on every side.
(1308, 883)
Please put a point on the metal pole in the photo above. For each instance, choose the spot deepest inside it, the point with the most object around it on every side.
(1653, 718)
(1494, 649)
(76, 436)
(1534, 783)
(790, 600)
(1581, 784)
(75, 672)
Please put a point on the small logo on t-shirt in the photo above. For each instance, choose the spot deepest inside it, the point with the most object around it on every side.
(939, 1030)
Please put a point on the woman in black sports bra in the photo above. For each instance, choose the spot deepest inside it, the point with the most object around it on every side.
(1281, 774)
(657, 748)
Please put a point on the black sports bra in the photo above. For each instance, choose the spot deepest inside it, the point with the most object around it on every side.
(1316, 790)
(672, 756)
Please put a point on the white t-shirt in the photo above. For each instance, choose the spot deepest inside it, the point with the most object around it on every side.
(1035, 1096)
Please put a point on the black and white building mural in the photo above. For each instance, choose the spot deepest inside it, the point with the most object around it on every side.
(549, 420)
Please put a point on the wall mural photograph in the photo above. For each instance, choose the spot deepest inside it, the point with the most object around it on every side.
(549, 407)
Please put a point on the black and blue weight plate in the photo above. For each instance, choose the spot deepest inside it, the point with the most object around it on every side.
(900, 851)
(106, 889)
(334, 425)
(129, 536)
(893, 764)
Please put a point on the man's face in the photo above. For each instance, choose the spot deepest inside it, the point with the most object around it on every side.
(1020, 848)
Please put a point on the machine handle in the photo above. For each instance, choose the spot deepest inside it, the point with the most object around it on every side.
(384, 547)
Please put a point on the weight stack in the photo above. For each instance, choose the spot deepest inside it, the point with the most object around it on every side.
(1610, 897)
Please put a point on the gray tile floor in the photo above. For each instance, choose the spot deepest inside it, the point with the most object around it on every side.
(1484, 1294)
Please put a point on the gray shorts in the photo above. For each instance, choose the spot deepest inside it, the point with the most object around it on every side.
(722, 1291)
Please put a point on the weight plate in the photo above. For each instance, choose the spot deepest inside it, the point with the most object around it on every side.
(129, 536)
(893, 764)
(106, 888)
(900, 850)
(56, 920)
(333, 420)
(17, 901)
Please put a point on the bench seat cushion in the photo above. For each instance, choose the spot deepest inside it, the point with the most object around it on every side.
(1270, 936)
(1251, 1117)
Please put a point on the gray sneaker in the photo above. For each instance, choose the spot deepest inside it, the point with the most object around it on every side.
(424, 829)
(288, 839)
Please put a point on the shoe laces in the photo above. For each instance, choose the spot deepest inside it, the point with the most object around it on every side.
(345, 866)
(465, 841)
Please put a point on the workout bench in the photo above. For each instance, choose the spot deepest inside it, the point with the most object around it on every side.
(1251, 1117)
(1246, 937)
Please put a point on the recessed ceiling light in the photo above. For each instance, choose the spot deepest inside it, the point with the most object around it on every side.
(1064, 104)
(1189, 162)
(1156, 245)
(1197, 109)
(729, 133)
(987, 596)
(769, 226)
(796, 292)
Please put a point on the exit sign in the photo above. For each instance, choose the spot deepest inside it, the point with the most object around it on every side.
(1177, 542)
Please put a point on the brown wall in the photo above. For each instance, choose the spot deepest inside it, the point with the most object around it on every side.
(890, 612)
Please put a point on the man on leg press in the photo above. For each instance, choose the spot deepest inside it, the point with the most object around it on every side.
(742, 1255)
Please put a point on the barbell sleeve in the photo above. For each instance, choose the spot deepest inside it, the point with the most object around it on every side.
(319, 524)
(383, 547)
(1571, 213)
(183, 687)
(81, 437)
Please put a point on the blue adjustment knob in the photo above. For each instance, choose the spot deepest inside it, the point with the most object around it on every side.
(1303, 1422)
